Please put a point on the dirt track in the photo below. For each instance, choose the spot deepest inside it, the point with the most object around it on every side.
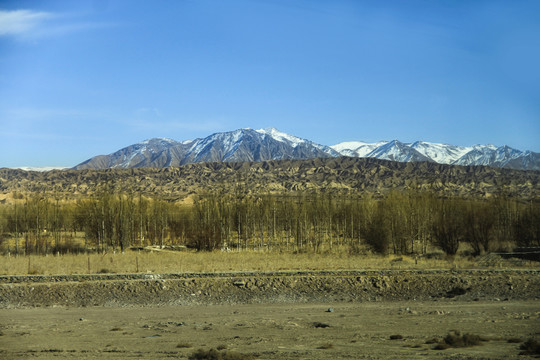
(269, 316)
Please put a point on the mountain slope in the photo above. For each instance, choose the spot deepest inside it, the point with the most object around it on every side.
(238, 145)
(159, 152)
(484, 155)
(397, 151)
(345, 176)
(356, 148)
(270, 144)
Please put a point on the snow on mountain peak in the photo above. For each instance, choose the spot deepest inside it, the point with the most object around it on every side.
(161, 139)
(41, 168)
(441, 153)
(357, 148)
(257, 145)
(281, 136)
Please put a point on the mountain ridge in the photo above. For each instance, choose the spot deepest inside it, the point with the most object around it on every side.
(339, 176)
(271, 144)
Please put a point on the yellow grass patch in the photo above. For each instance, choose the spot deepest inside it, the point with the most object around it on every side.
(218, 261)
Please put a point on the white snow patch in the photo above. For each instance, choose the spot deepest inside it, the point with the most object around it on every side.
(281, 136)
(158, 139)
(41, 168)
(441, 153)
(357, 148)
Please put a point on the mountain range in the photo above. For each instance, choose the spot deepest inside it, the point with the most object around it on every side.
(270, 144)
(339, 176)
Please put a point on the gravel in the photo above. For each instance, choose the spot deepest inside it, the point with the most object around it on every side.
(272, 287)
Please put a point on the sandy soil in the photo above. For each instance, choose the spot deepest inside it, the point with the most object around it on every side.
(269, 331)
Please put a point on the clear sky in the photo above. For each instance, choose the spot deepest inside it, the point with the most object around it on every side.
(83, 78)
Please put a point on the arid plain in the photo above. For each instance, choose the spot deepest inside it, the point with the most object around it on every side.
(291, 265)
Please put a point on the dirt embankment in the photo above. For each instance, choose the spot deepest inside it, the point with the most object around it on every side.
(278, 287)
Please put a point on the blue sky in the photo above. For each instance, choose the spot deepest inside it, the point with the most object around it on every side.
(82, 78)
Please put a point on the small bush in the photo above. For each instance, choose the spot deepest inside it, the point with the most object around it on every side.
(530, 347)
(34, 271)
(104, 271)
(320, 325)
(441, 346)
(456, 291)
(433, 341)
(466, 340)
(514, 340)
(396, 337)
(213, 354)
(184, 346)
(221, 347)
(116, 329)
(67, 248)
(456, 340)
(326, 346)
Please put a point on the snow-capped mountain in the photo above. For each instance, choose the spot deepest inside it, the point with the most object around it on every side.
(440, 153)
(397, 151)
(157, 152)
(238, 145)
(356, 148)
(487, 155)
(41, 168)
(270, 144)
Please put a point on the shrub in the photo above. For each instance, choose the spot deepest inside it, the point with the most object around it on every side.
(377, 234)
(456, 291)
(213, 354)
(456, 340)
(530, 347)
(34, 271)
(433, 341)
(396, 337)
(441, 346)
(515, 340)
(320, 325)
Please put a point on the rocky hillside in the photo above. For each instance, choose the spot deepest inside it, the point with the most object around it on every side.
(343, 175)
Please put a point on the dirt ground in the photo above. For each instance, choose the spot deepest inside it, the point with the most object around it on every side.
(286, 315)
(269, 331)
(275, 287)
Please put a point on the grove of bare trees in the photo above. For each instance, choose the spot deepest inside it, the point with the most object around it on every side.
(400, 223)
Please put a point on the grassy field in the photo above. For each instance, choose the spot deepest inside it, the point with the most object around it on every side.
(167, 261)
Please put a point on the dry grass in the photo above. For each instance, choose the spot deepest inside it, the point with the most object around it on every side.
(217, 261)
